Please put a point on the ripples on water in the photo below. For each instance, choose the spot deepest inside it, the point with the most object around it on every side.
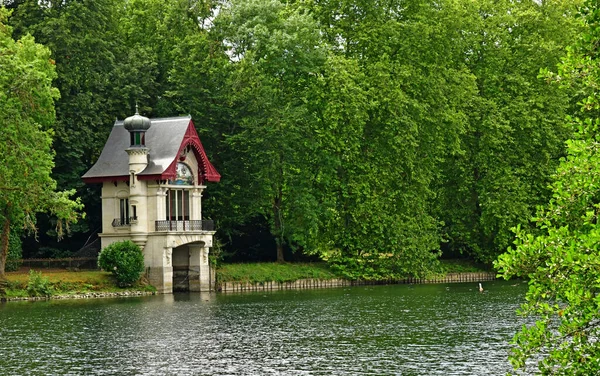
(381, 330)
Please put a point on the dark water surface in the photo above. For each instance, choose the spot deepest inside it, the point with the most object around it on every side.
(377, 330)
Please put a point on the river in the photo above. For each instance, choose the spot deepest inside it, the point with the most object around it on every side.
(449, 329)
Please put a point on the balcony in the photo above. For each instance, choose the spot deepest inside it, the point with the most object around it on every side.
(190, 225)
(122, 222)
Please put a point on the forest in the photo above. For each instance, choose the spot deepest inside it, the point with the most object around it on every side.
(377, 136)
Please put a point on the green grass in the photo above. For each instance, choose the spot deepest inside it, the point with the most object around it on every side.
(278, 272)
(288, 272)
(70, 283)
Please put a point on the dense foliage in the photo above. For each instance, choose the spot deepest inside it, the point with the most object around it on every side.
(372, 135)
(26, 116)
(561, 256)
(124, 260)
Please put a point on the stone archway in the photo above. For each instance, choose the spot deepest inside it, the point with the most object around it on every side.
(181, 268)
(191, 271)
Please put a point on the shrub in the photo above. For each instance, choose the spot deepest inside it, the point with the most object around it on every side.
(38, 285)
(124, 260)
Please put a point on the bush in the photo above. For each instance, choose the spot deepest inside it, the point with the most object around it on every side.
(124, 260)
(38, 285)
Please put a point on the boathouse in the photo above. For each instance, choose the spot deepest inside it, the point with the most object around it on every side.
(153, 173)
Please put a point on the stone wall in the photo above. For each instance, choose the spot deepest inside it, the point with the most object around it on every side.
(327, 283)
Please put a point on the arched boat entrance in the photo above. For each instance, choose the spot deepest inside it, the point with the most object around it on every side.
(191, 271)
(181, 268)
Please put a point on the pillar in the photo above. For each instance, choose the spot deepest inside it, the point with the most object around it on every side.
(161, 204)
(138, 196)
(196, 204)
(159, 270)
(199, 272)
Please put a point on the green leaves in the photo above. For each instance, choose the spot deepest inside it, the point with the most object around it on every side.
(27, 113)
(515, 132)
(271, 149)
(561, 257)
(124, 260)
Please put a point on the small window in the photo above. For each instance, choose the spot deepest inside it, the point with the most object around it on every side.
(124, 211)
(137, 138)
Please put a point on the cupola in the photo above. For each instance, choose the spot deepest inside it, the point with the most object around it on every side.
(137, 125)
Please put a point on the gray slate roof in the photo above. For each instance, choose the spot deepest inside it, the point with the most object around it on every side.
(163, 140)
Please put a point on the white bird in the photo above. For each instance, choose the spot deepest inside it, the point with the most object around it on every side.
(480, 288)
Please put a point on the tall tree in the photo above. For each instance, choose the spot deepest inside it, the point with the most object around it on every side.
(415, 96)
(27, 113)
(83, 40)
(277, 52)
(515, 132)
(561, 257)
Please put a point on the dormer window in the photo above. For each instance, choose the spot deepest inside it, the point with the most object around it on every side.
(184, 175)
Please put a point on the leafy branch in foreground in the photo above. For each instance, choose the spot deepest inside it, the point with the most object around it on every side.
(561, 258)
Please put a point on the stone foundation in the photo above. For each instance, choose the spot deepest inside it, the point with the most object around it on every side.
(161, 278)
(328, 283)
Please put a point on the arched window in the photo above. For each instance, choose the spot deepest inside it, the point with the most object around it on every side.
(184, 175)
(122, 201)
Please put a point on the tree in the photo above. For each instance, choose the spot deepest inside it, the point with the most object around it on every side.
(390, 125)
(27, 113)
(84, 42)
(515, 134)
(277, 54)
(561, 257)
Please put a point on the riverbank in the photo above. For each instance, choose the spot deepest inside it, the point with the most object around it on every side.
(62, 284)
(289, 272)
(309, 283)
(288, 276)
(89, 295)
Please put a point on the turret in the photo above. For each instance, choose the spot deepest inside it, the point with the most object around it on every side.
(137, 125)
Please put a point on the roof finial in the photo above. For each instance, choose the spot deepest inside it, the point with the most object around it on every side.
(137, 122)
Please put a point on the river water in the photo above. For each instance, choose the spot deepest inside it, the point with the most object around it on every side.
(447, 329)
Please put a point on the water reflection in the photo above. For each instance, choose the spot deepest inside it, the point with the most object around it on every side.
(381, 330)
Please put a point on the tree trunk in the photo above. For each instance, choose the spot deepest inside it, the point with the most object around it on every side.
(3, 255)
(4, 243)
(280, 252)
(278, 224)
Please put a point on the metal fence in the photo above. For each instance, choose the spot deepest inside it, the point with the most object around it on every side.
(69, 263)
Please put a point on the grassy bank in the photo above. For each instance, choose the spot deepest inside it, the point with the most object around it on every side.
(288, 272)
(270, 271)
(61, 282)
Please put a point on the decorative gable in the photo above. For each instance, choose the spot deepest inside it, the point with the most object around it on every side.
(191, 141)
